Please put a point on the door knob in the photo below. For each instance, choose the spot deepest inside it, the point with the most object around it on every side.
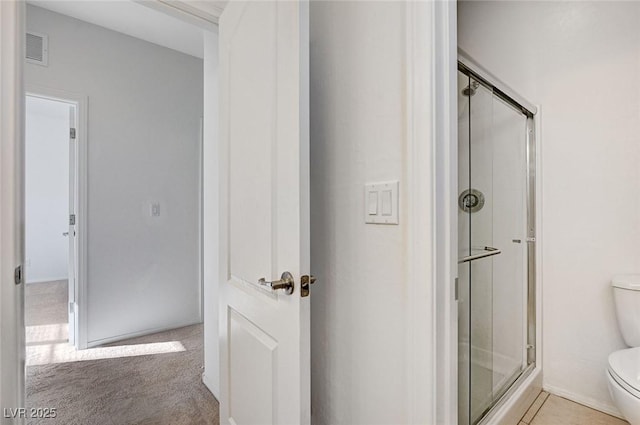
(65, 234)
(285, 283)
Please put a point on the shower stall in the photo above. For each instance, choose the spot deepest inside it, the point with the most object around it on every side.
(496, 241)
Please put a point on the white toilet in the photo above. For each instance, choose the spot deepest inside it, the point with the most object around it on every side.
(623, 373)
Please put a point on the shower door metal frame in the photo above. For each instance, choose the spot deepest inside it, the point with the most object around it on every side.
(506, 93)
(471, 68)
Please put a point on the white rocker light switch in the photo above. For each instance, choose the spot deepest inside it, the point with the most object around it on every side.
(381, 202)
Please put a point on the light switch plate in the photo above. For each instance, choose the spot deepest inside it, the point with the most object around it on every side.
(381, 202)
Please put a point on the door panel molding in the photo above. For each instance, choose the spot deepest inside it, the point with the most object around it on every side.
(253, 358)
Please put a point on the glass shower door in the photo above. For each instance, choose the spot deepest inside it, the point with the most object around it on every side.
(492, 277)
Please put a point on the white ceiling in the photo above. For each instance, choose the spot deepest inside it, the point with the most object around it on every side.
(133, 19)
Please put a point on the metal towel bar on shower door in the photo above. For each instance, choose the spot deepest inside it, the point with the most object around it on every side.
(489, 251)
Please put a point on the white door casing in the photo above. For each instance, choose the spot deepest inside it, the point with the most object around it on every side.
(73, 254)
(264, 334)
(12, 343)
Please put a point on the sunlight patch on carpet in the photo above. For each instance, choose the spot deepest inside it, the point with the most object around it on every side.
(56, 332)
(47, 344)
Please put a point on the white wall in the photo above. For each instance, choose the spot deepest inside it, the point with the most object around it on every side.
(145, 106)
(580, 61)
(359, 305)
(46, 189)
(211, 374)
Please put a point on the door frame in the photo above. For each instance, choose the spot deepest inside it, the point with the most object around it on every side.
(12, 338)
(431, 55)
(211, 202)
(432, 131)
(80, 101)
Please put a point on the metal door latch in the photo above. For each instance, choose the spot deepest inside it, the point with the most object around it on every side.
(305, 281)
(17, 275)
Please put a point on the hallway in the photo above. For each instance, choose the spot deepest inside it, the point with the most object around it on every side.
(154, 379)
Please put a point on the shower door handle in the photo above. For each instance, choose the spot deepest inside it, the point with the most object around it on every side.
(488, 252)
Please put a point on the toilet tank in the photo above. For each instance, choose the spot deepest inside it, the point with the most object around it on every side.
(626, 294)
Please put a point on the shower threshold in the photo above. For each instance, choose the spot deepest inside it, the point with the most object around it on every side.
(508, 393)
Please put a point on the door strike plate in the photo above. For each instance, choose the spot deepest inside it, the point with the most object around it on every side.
(305, 281)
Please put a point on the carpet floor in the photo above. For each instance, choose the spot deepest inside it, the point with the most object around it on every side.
(154, 379)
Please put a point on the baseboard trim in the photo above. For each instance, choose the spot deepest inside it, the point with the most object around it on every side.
(46, 280)
(607, 408)
(98, 342)
(210, 384)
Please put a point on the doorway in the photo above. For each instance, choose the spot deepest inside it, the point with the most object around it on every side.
(51, 234)
(292, 129)
(140, 305)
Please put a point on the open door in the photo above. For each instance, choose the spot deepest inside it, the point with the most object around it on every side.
(264, 233)
(73, 253)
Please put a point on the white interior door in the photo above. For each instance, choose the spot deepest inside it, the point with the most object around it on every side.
(264, 332)
(73, 263)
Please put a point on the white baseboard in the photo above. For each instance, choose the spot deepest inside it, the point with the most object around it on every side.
(98, 342)
(586, 401)
(211, 385)
(47, 279)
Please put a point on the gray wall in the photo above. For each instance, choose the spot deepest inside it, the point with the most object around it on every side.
(145, 106)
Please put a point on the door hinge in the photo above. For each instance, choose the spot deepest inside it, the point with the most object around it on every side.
(17, 275)
(72, 219)
(305, 281)
(71, 307)
(455, 289)
(72, 133)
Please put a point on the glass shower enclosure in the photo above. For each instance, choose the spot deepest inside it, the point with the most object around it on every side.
(496, 241)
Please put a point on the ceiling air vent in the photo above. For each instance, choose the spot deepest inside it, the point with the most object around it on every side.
(37, 48)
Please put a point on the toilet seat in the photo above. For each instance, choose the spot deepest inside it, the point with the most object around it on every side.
(624, 368)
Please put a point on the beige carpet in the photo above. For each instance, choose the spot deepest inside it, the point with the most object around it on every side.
(155, 379)
(46, 303)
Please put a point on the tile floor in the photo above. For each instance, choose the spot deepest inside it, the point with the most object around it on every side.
(549, 409)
